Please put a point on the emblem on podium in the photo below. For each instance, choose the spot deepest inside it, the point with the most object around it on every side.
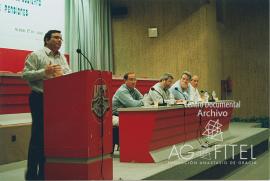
(100, 101)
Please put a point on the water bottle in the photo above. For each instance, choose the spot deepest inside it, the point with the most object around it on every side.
(214, 95)
(206, 96)
(196, 98)
(146, 101)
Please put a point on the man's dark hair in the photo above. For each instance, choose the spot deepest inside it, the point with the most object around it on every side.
(166, 76)
(187, 73)
(126, 75)
(48, 35)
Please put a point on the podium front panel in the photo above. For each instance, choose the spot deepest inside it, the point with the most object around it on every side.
(72, 126)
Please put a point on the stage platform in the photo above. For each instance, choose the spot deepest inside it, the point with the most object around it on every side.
(252, 139)
(15, 132)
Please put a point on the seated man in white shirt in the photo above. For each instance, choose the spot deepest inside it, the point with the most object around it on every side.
(180, 88)
(194, 94)
(160, 91)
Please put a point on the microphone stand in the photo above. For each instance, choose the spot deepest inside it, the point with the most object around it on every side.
(160, 104)
(180, 92)
(80, 52)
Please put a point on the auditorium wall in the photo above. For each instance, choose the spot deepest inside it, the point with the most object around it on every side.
(191, 38)
(187, 40)
(245, 54)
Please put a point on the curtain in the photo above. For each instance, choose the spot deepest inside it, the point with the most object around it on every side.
(90, 30)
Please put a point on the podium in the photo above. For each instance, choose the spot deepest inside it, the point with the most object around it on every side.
(78, 126)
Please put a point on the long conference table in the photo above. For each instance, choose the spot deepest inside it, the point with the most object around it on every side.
(146, 129)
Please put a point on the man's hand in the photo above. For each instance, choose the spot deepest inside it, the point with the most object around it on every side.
(53, 70)
(58, 71)
(49, 70)
(180, 101)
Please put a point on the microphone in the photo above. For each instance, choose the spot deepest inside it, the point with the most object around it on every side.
(163, 104)
(176, 88)
(203, 91)
(79, 51)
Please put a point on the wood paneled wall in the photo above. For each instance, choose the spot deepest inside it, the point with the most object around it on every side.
(187, 40)
(190, 38)
(245, 42)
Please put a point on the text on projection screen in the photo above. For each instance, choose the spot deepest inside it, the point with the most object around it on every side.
(25, 22)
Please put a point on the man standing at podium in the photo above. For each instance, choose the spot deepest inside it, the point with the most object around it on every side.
(41, 65)
(126, 96)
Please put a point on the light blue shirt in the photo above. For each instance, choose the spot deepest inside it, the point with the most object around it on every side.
(126, 97)
(180, 93)
(34, 69)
